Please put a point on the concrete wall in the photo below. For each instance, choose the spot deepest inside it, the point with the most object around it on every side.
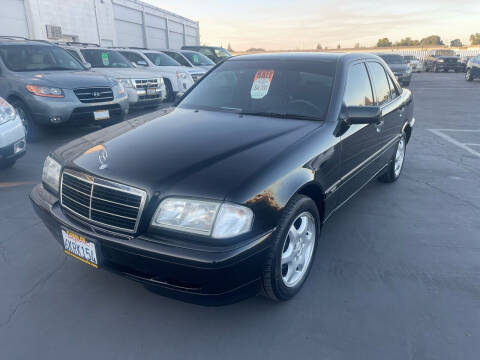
(106, 22)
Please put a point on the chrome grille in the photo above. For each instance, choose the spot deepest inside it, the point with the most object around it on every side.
(101, 202)
(146, 83)
(94, 95)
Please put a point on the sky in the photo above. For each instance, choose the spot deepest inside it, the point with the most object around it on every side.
(302, 24)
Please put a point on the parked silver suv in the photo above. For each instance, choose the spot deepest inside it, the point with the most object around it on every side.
(144, 88)
(47, 86)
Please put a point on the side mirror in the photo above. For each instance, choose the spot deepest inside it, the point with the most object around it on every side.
(87, 65)
(363, 115)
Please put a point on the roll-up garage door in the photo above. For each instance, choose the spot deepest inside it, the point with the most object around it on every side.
(156, 32)
(128, 26)
(14, 21)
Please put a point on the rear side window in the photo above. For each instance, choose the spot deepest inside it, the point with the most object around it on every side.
(393, 90)
(358, 91)
(380, 82)
(74, 54)
(177, 57)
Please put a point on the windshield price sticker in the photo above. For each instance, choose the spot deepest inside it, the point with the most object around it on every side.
(105, 59)
(261, 83)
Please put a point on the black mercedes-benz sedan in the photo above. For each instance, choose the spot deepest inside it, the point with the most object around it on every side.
(226, 193)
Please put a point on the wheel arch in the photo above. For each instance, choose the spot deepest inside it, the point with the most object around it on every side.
(314, 191)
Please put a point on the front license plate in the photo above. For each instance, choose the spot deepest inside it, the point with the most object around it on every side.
(101, 115)
(151, 92)
(81, 249)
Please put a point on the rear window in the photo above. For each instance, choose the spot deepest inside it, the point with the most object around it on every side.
(22, 58)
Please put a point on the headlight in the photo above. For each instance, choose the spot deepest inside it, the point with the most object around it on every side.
(160, 81)
(441, 60)
(219, 220)
(126, 83)
(51, 173)
(120, 89)
(182, 75)
(45, 91)
(7, 112)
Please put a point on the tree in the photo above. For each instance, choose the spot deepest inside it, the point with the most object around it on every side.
(456, 43)
(229, 48)
(384, 43)
(432, 40)
(407, 42)
(475, 39)
(319, 46)
(339, 46)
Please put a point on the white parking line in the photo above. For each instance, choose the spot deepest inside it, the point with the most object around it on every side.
(440, 132)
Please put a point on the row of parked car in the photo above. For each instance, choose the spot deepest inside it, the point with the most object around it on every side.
(49, 84)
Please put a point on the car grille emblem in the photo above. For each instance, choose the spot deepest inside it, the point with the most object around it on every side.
(96, 94)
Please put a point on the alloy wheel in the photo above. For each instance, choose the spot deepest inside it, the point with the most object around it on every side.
(298, 249)
(399, 157)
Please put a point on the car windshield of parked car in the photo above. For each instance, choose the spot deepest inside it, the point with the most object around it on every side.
(222, 53)
(445, 53)
(393, 59)
(197, 59)
(161, 59)
(105, 58)
(38, 58)
(410, 58)
(290, 89)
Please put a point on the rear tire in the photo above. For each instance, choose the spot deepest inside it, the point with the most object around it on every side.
(394, 169)
(290, 259)
(33, 131)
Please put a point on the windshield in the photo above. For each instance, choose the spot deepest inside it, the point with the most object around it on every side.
(105, 58)
(393, 59)
(266, 88)
(161, 59)
(445, 53)
(197, 59)
(409, 58)
(38, 58)
(222, 53)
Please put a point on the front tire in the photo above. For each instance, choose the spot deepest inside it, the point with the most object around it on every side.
(295, 243)
(394, 170)
(33, 131)
(468, 75)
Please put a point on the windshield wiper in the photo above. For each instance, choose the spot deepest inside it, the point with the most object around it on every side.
(282, 115)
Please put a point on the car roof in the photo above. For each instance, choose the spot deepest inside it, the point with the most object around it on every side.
(13, 40)
(297, 56)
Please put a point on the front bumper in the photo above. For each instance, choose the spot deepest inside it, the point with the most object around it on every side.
(138, 97)
(12, 140)
(450, 66)
(69, 108)
(210, 275)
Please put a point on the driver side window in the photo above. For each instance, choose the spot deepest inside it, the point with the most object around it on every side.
(358, 91)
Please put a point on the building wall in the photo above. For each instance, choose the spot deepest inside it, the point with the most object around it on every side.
(105, 22)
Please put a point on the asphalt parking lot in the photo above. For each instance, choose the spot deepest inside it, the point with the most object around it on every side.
(397, 274)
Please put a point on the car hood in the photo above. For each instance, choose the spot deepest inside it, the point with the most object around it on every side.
(448, 58)
(186, 152)
(398, 67)
(130, 73)
(66, 79)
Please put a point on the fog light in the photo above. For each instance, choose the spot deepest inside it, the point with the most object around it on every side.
(19, 146)
(55, 119)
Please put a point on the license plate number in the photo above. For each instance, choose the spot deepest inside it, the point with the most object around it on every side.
(151, 92)
(79, 248)
(101, 115)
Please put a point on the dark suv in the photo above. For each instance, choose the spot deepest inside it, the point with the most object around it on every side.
(443, 60)
(48, 86)
(214, 53)
(473, 68)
